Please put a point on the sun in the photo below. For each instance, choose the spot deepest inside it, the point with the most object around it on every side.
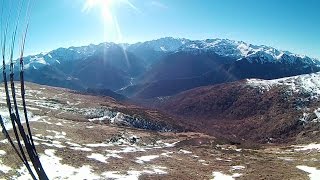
(108, 10)
(105, 7)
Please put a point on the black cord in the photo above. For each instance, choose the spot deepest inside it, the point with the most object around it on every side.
(14, 113)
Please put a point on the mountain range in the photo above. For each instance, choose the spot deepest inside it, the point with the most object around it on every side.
(162, 67)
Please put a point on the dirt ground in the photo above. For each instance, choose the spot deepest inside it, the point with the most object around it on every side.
(72, 147)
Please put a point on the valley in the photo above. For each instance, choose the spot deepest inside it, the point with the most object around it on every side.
(161, 67)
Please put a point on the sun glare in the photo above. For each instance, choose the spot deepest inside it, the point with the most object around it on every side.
(105, 6)
(112, 30)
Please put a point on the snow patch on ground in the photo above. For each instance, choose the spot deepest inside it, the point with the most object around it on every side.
(237, 167)
(312, 146)
(98, 145)
(114, 156)
(58, 135)
(167, 154)
(130, 175)
(98, 157)
(56, 144)
(317, 113)
(73, 144)
(2, 152)
(99, 119)
(185, 151)
(51, 141)
(144, 159)
(3, 168)
(156, 170)
(133, 175)
(81, 149)
(221, 176)
(236, 175)
(103, 158)
(5, 141)
(59, 124)
(6, 118)
(128, 149)
(314, 173)
(56, 170)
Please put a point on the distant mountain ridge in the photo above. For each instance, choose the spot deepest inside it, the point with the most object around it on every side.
(223, 47)
(149, 69)
(239, 50)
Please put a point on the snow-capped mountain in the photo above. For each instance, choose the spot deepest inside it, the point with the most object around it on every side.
(239, 50)
(206, 62)
(61, 55)
(167, 44)
(235, 50)
(224, 47)
(187, 63)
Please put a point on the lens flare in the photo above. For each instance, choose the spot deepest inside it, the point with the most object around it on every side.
(106, 8)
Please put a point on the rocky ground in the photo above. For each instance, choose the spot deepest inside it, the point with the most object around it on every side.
(83, 137)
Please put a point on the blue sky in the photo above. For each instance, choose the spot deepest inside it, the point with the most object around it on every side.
(286, 24)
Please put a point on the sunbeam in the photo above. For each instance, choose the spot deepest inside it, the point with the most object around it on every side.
(111, 25)
(120, 38)
(107, 7)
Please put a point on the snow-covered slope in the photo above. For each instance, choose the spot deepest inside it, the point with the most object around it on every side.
(305, 88)
(307, 83)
